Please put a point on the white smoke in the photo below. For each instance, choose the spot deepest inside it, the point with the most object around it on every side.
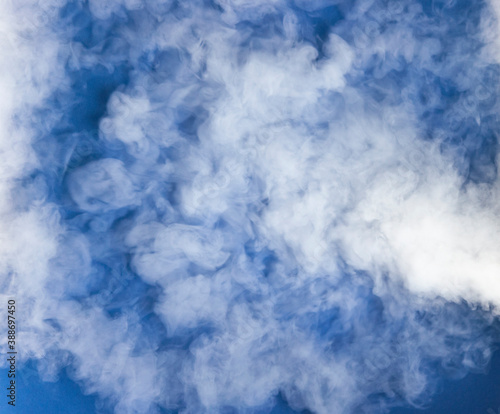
(272, 147)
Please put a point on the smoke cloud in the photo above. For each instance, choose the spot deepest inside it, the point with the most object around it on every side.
(211, 206)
